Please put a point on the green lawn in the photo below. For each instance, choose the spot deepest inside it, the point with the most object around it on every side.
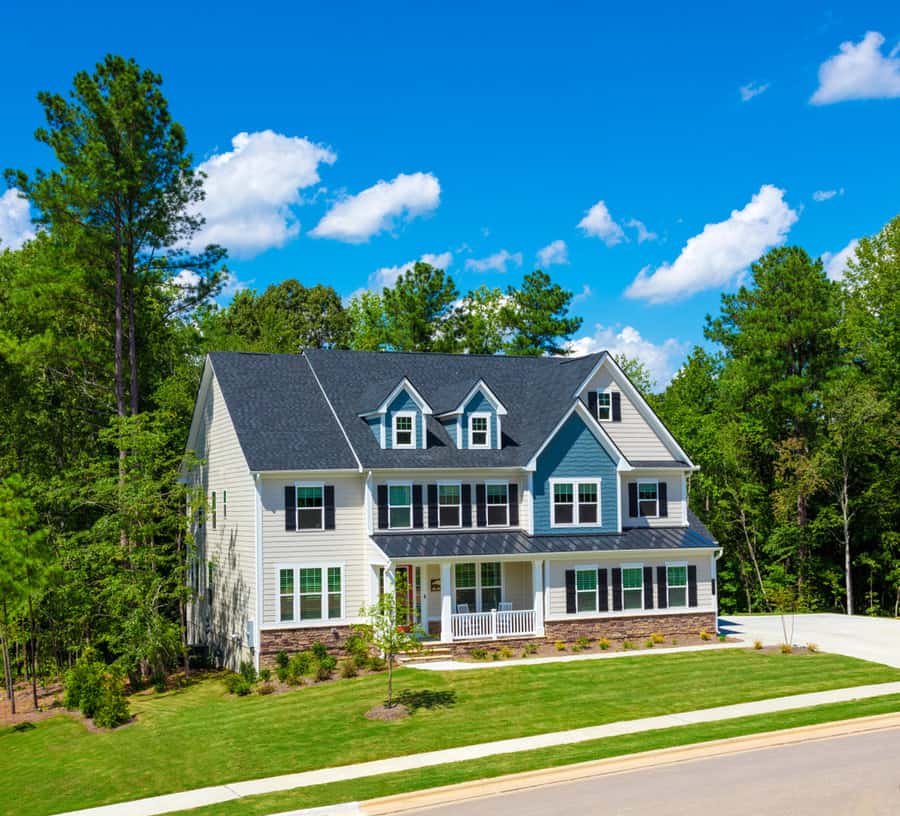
(200, 736)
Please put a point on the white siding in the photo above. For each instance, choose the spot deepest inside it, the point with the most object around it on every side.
(635, 438)
(517, 586)
(674, 492)
(231, 546)
(556, 589)
(347, 544)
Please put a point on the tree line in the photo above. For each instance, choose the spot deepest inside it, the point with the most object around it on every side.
(792, 414)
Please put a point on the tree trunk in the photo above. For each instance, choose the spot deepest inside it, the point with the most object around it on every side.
(7, 667)
(845, 513)
(132, 350)
(390, 668)
(34, 693)
(119, 361)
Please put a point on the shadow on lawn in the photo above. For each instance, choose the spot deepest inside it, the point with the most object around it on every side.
(426, 698)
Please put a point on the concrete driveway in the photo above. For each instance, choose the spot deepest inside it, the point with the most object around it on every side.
(875, 639)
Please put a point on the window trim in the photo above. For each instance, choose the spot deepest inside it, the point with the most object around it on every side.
(486, 415)
(458, 505)
(594, 568)
(646, 482)
(478, 584)
(413, 435)
(683, 564)
(576, 522)
(488, 505)
(323, 567)
(608, 392)
(637, 566)
(410, 505)
(297, 508)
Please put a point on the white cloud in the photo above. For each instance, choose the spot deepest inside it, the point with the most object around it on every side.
(662, 360)
(825, 195)
(15, 220)
(497, 262)
(859, 71)
(387, 276)
(836, 263)
(357, 218)
(718, 254)
(598, 223)
(752, 89)
(643, 234)
(584, 294)
(251, 189)
(186, 279)
(556, 252)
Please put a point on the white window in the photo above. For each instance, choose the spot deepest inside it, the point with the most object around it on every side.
(478, 586)
(479, 430)
(604, 406)
(632, 586)
(310, 593)
(676, 584)
(586, 589)
(449, 505)
(648, 499)
(497, 494)
(575, 503)
(310, 506)
(400, 506)
(404, 429)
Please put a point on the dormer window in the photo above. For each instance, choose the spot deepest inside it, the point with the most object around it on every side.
(479, 430)
(404, 429)
(604, 406)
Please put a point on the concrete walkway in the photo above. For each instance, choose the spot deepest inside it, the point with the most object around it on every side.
(236, 790)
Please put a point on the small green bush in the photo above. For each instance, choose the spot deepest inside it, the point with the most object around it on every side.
(112, 709)
(674, 641)
(265, 675)
(158, 681)
(560, 646)
(704, 635)
(786, 648)
(495, 656)
(84, 684)
(319, 650)
(355, 645)
(583, 643)
(657, 637)
(627, 644)
(478, 654)
(299, 666)
(377, 663)
(505, 652)
(603, 643)
(248, 671)
(723, 638)
(325, 668)
(361, 661)
(265, 688)
(757, 644)
(237, 684)
(348, 668)
(282, 659)
(282, 673)
(530, 649)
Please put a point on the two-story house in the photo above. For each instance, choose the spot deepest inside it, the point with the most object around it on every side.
(508, 497)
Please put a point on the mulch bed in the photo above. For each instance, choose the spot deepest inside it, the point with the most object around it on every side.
(396, 712)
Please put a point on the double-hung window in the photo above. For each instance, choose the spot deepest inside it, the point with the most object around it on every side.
(479, 431)
(497, 494)
(400, 506)
(604, 406)
(648, 499)
(586, 590)
(491, 585)
(449, 505)
(479, 586)
(404, 429)
(466, 580)
(633, 587)
(576, 503)
(676, 583)
(310, 593)
(310, 507)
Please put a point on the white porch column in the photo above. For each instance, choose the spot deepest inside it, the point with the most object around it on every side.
(390, 580)
(446, 604)
(537, 584)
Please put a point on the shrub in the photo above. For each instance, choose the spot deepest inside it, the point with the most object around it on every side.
(282, 673)
(505, 652)
(603, 643)
(158, 681)
(786, 648)
(237, 684)
(265, 688)
(377, 663)
(704, 635)
(649, 643)
(299, 666)
(530, 649)
(478, 654)
(348, 668)
(265, 675)
(325, 668)
(722, 638)
(355, 645)
(112, 709)
(674, 641)
(282, 659)
(319, 650)
(757, 644)
(576, 648)
(812, 647)
(495, 656)
(560, 646)
(627, 644)
(248, 671)
(84, 684)
(657, 637)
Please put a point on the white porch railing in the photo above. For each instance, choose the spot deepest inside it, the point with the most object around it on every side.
(492, 625)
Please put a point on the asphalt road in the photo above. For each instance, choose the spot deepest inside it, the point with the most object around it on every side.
(857, 775)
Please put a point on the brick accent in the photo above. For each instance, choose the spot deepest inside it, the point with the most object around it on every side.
(272, 641)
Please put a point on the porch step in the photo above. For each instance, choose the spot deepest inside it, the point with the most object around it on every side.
(428, 653)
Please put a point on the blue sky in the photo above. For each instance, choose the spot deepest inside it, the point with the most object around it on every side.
(497, 129)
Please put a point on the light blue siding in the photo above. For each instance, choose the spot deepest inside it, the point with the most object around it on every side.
(374, 424)
(479, 404)
(403, 402)
(574, 453)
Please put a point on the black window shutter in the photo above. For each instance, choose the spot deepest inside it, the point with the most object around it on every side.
(663, 494)
(616, 406)
(382, 507)
(432, 506)
(662, 588)
(617, 588)
(712, 586)
(466, 495)
(329, 507)
(592, 403)
(602, 590)
(632, 499)
(513, 504)
(648, 587)
(692, 585)
(290, 507)
(480, 505)
(570, 592)
(418, 519)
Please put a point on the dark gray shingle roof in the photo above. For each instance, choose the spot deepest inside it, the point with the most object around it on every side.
(281, 418)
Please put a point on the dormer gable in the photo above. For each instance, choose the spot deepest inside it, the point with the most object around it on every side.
(476, 422)
(398, 422)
